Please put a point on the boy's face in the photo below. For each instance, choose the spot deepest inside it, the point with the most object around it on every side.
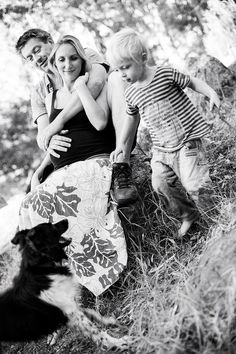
(36, 52)
(131, 71)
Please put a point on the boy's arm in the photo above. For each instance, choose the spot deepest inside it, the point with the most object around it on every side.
(97, 79)
(203, 88)
(125, 141)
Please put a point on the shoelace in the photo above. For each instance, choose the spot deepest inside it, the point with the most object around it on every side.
(122, 177)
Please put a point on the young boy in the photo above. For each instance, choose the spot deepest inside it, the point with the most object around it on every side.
(156, 95)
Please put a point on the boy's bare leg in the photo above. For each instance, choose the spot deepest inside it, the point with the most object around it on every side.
(124, 190)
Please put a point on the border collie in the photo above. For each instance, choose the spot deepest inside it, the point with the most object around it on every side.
(42, 297)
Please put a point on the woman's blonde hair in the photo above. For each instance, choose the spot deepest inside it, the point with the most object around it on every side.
(67, 39)
(126, 45)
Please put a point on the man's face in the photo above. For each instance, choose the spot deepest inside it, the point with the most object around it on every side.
(36, 53)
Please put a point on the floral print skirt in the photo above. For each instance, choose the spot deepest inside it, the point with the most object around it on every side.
(80, 192)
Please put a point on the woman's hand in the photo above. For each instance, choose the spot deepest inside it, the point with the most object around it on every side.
(81, 81)
(59, 143)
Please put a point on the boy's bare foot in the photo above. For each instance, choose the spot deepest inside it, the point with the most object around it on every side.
(185, 226)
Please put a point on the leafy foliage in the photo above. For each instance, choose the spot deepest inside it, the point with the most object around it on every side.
(18, 148)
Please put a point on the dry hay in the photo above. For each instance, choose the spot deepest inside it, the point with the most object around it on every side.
(207, 304)
(181, 298)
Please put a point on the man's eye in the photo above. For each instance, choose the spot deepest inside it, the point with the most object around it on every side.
(37, 50)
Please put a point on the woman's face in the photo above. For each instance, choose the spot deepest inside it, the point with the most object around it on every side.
(68, 62)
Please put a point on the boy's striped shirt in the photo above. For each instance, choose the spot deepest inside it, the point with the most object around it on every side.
(166, 110)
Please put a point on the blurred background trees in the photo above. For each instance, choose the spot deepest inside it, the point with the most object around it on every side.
(175, 30)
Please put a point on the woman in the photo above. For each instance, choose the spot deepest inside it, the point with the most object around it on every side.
(79, 187)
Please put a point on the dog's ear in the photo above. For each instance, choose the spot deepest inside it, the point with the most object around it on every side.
(31, 233)
(61, 226)
(19, 238)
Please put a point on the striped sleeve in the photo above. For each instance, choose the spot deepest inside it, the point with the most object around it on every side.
(130, 109)
(180, 79)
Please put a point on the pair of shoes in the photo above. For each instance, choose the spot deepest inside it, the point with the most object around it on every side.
(124, 189)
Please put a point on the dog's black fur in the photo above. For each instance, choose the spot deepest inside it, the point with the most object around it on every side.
(43, 295)
(23, 315)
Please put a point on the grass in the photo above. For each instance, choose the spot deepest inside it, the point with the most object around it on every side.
(175, 297)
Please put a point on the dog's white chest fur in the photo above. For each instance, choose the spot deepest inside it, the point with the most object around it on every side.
(61, 293)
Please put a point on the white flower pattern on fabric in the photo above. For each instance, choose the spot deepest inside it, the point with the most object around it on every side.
(80, 192)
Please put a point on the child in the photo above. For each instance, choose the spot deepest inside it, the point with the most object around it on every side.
(156, 95)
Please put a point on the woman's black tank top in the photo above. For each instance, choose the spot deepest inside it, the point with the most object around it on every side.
(86, 140)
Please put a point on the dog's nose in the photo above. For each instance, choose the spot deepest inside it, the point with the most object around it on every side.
(62, 226)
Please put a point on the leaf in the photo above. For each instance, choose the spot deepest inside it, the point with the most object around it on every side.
(117, 231)
(65, 202)
(41, 202)
(103, 162)
(81, 265)
(100, 251)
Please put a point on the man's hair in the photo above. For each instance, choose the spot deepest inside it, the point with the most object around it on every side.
(32, 33)
(126, 45)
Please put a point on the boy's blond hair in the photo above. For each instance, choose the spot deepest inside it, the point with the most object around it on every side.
(126, 45)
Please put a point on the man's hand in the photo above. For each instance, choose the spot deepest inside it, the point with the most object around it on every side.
(59, 143)
(52, 129)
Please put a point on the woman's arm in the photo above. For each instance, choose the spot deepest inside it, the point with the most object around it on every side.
(35, 180)
(97, 111)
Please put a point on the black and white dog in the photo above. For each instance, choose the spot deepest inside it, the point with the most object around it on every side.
(42, 298)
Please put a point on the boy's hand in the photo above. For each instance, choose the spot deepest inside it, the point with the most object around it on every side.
(114, 155)
(214, 100)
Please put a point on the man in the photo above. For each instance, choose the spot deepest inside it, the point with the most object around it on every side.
(35, 46)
